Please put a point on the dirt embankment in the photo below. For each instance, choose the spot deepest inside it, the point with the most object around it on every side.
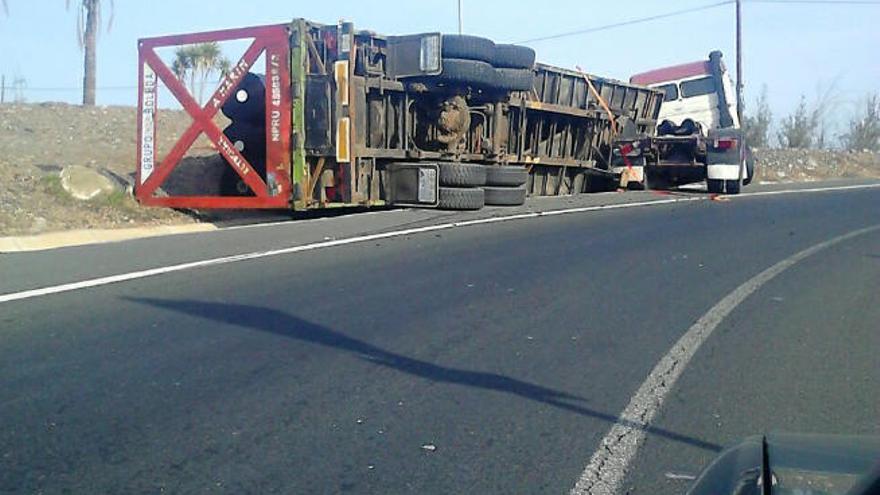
(38, 140)
(802, 165)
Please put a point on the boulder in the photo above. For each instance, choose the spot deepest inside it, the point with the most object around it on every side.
(84, 183)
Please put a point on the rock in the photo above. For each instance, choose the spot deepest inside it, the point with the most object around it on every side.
(38, 225)
(84, 183)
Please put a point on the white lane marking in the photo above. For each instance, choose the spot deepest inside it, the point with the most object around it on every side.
(806, 190)
(608, 466)
(575, 210)
(96, 282)
(113, 279)
(302, 221)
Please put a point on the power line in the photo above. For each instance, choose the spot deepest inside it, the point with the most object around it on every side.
(629, 22)
(666, 15)
(819, 2)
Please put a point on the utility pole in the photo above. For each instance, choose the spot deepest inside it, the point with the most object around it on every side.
(459, 18)
(739, 90)
(739, 67)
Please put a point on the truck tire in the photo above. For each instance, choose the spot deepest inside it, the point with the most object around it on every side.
(462, 174)
(456, 198)
(731, 186)
(750, 168)
(468, 72)
(505, 196)
(248, 102)
(715, 186)
(509, 176)
(468, 47)
(513, 57)
(515, 79)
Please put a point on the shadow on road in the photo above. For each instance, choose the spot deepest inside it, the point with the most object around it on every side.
(283, 324)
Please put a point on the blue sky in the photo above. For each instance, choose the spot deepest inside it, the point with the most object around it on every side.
(793, 49)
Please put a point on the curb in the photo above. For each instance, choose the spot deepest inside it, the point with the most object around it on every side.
(54, 240)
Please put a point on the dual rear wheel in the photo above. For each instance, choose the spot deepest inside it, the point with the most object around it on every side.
(467, 186)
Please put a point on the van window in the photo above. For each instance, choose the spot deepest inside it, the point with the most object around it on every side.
(670, 92)
(698, 87)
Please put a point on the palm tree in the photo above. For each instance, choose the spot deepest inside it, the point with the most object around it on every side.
(194, 65)
(89, 23)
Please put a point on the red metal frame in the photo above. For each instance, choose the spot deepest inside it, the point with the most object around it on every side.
(271, 40)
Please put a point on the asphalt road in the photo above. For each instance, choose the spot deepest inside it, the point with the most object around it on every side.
(483, 359)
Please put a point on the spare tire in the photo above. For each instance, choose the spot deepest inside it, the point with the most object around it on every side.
(250, 141)
(510, 176)
(462, 174)
(505, 196)
(468, 47)
(468, 72)
(453, 198)
(513, 57)
(515, 79)
(248, 101)
(666, 128)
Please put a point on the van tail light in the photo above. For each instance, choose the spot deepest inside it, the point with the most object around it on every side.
(725, 143)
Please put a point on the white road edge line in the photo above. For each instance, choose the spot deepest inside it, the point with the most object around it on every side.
(806, 190)
(113, 279)
(124, 277)
(608, 466)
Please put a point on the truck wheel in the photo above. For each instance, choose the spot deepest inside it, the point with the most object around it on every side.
(731, 186)
(715, 186)
(455, 198)
(513, 57)
(505, 196)
(637, 186)
(469, 72)
(750, 169)
(462, 174)
(515, 79)
(468, 47)
(247, 103)
(509, 176)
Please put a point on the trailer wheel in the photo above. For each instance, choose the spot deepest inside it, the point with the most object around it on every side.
(509, 176)
(505, 196)
(732, 186)
(456, 198)
(515, 79)
(462, 174)
(513, 57)
(715, 186)
(469, 72)
(468, 47)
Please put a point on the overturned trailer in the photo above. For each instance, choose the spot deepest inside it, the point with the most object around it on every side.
(340, 117)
